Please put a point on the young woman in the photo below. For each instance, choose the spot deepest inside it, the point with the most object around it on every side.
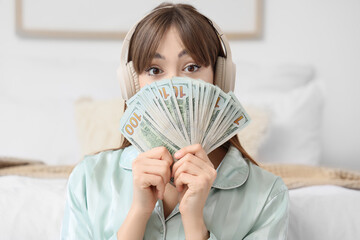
(124, 194)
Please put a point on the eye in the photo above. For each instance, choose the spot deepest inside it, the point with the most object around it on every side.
(152, 71)
(192, 68)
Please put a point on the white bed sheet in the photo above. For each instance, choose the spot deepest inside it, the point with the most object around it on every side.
(32, 209)
(324, 213)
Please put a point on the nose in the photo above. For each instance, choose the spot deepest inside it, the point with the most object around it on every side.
(172, 73)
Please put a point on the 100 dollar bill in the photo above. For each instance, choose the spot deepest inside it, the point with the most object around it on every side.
(141, 132)
(182, 111)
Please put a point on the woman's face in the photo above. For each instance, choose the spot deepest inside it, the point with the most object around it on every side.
(172, 59)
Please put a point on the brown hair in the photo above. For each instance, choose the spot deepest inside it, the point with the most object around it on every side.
(199, 37)
(197, 33)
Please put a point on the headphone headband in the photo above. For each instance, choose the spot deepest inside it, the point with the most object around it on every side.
(129, 83)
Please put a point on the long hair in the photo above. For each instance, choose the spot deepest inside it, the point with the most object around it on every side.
(198, 35)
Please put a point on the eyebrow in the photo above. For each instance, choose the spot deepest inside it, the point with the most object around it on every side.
(182, 53)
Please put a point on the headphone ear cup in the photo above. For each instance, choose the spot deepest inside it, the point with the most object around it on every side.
(232, 69)
(133, 77)
(120, 77)
(220, 72)
(129, 81)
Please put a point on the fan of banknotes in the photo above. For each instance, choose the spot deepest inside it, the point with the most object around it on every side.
(178, 112)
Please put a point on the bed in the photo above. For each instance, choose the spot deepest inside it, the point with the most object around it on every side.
(45, 135)
(33, 196)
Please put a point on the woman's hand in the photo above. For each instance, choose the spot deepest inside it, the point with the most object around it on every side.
(193, 175)
(151, 173)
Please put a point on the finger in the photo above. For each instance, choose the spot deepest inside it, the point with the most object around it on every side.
(190, 168)
(156, 181)
(159, 153)
(195, 149)
(183, 180)
(201, 163)
(156, 167)
(188, 158)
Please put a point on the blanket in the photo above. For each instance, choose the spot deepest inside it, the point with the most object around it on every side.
(294, 176)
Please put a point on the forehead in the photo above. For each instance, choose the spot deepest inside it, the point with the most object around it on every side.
(149, 41)
(170, 43)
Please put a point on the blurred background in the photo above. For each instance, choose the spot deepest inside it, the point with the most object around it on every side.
(310, 41)
(298, 76)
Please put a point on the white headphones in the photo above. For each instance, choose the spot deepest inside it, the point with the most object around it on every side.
(224, 71)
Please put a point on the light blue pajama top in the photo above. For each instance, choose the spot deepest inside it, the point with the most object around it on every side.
(245, 201)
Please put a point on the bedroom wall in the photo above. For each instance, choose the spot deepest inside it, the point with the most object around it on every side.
(324, 33)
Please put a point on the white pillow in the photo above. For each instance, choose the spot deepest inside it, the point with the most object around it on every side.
(37, 93)
(97, 124)
(296, 104)
(39, 130)
(278, 78)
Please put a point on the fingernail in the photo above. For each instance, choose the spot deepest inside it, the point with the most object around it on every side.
(177, 154)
